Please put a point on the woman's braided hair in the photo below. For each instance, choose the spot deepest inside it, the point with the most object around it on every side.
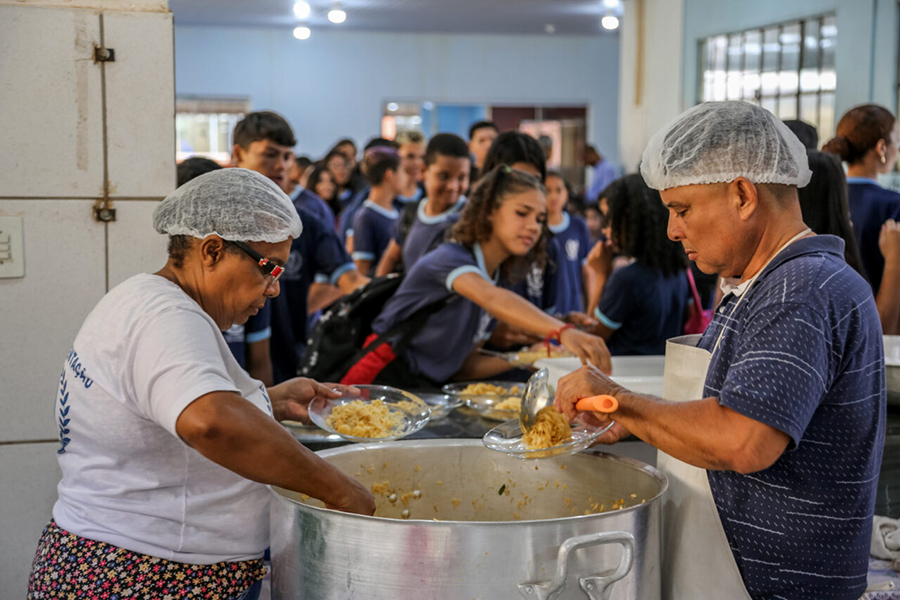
(475, 226)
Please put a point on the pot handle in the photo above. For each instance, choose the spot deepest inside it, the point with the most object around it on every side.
(597, 587)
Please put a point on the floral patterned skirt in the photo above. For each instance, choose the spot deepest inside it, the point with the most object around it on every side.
(67, 566)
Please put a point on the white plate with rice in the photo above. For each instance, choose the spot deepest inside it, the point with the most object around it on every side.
(378, 414)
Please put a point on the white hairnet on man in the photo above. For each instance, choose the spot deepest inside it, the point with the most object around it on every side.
(772, 428)
(717, 142)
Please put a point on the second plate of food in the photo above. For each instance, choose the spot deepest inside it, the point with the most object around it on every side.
(509, 439)
(495, 400)
(379, 413)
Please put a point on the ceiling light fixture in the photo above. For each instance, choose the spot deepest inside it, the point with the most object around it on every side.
(336, 15)
(302, 10)
(610, 22)
(302, 32)
(612, 4)
(393, 106)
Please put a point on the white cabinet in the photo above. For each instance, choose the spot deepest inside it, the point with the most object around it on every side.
(51, 112)
(140, 104)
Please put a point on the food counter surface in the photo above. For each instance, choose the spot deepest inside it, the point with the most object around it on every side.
(460, 423)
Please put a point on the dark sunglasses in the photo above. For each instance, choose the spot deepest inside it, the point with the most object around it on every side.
(268, 267)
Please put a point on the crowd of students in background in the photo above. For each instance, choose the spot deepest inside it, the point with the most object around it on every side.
(493, 251)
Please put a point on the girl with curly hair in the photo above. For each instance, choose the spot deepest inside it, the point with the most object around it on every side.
(498, 235)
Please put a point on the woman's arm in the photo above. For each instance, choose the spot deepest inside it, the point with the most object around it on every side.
(233, 433)
(511, 308)
(389, 260)
(888, 298)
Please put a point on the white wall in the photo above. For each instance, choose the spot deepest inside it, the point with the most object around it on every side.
(650, 78)
(334, 84)
(59, 161)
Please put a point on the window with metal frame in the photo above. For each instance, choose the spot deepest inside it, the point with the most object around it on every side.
(786, 68)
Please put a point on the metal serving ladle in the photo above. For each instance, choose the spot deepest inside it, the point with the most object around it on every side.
(538, 395)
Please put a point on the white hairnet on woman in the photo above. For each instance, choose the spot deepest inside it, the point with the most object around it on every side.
(166, 443)
(717, 142)
(235, 204)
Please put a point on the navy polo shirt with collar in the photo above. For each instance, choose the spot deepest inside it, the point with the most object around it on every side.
(802, 353)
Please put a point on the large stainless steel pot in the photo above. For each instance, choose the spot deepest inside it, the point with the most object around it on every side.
(506, 528)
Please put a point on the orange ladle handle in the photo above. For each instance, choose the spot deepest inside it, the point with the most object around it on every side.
(602, 403)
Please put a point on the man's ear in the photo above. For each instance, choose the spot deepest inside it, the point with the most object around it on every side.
(744, 196)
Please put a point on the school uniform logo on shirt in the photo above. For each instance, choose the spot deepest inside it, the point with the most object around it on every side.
(535, 281)
(481, 333)
(294, 266)
(572, 249)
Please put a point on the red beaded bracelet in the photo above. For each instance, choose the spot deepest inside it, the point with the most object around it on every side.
(555, 334)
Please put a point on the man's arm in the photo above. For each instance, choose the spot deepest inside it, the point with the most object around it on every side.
(702, 433)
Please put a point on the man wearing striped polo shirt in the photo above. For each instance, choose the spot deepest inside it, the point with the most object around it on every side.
(772, 430)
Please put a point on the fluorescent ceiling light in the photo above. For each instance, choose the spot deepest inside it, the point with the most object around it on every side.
(336, 15)
(609, 22)
(302, 10)
(302, 32)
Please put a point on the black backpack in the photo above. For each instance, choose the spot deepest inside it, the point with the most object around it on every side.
(336, 341)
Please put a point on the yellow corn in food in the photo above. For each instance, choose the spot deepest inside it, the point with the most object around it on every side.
(550, 429)
(364, 419)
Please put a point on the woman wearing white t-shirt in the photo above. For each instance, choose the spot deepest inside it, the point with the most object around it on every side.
(166, 444)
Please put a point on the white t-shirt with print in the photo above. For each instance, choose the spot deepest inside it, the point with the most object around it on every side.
(145, 352)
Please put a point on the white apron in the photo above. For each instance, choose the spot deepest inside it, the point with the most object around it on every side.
(697, 560)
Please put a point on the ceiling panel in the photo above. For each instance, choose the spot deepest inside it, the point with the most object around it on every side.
(568, 17)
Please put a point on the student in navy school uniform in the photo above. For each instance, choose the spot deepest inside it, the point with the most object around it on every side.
(499, 232)
(262, 143)
(574, 242)
(446, 179)
(318, 251)
(412, 160)
(375, 221)
(345, 223)
(249, 343)
(867, 140)
(644, 303)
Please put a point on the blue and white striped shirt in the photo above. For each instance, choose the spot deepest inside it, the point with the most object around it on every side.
(803, 353)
